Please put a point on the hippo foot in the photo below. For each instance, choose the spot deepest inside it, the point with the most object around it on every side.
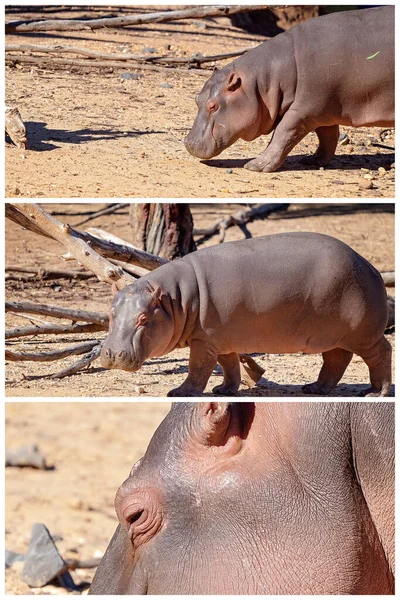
(257, 165)
(224, 390)
(183, 392)
(315, 388)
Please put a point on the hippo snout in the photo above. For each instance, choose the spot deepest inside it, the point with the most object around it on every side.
(200, 147)
(118, 359)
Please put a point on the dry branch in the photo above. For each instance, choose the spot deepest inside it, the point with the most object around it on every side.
(50, 328)
(241, 217)
(49, 274)
(80, 364)
(109, 237)
(196, 12)
(54, 62)
(55, 311)
(167, 60)
(76, 349)
(109, 210)
(106, 249)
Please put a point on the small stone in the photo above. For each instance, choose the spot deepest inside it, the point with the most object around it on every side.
(43, 562)
(366, 185)
(26, 456)
(149, 50)
(322, 168)
(364, 170)
(382, 171)
(344, 139)
(166, 85)
(13, 557)
(393, 166)
(228, 171)
(200, 25)
(138, 389)
(369, 176)
(338, 182)
(16, 191)
(167, 46)
(135, 76)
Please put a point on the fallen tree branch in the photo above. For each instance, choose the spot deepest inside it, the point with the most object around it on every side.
(109, 237)
(50, 328)
(108, 210)
(80, 364)
(50, 356)
(56, 311)
(196, 12)
(50, 274)
(241, 217)
(106, 249)
(53, 62)
(167, 60)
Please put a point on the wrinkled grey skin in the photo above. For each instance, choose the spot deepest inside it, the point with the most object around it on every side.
(282, 293)
(258, 498)
(314, 77)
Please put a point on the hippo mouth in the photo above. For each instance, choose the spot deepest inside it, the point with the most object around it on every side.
(124, 360)
(208, 146)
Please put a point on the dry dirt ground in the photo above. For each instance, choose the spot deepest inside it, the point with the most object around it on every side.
(92, 133)
(92, 447)
(368, 228)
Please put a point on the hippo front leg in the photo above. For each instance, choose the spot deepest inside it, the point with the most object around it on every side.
(289, 132)
(231, 369)
(201, 364)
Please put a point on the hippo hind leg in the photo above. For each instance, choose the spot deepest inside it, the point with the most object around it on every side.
(202, 361)
(231, 369)
(334, 365)
(379, 361)
(328, 137)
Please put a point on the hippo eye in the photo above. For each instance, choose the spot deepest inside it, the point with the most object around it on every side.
(141, 320)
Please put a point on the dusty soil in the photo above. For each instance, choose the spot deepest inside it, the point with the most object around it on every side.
(92, 133)
(368, 228)
(92, 447)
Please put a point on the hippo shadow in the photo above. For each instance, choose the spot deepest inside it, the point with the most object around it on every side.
(272, 389)
(342, 162)
(40, 138)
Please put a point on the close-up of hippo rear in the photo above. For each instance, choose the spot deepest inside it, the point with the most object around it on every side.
(258, 498)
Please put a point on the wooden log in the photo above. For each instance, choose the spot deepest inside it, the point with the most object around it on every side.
(15, 127)
(52, 328)
(58, 312)
(195, 12)
(76, 349)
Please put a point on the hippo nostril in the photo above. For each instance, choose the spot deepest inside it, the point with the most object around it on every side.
(108, 353)
(121, 354)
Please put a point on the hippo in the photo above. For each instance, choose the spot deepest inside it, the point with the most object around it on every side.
(258, 498)
(281, 293)
(328, 71)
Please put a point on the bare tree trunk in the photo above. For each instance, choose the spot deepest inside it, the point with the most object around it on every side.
(163, 229)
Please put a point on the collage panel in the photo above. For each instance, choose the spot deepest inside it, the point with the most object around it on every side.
(223, 299)
(134, 101)
(229, 498)
(199, 202)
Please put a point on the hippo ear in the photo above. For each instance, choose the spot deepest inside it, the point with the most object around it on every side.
(234, 82)
(156, 294)
(215, 419)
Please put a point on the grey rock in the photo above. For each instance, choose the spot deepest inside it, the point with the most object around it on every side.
(149, 50)
(166, 85)
(43, 562)
(26, 456)
(12, 557)
(127, 76)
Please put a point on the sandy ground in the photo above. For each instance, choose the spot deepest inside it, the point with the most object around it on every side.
(369, 229)
(94, 134)
(91, 447)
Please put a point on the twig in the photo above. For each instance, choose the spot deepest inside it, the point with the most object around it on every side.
(50, 328)
(196, 12)
(80, 364)
(50, 356)
(111, 208)
(56, 311)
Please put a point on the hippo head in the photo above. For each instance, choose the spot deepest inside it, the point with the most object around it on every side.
(139, 327)
(172, 509)
(229, 108)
